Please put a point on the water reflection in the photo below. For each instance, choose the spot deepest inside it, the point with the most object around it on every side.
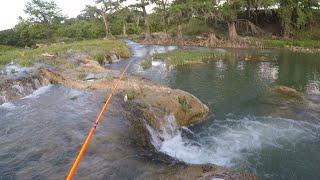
(268, 71)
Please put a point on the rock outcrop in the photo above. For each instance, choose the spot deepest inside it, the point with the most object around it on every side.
(20, 84)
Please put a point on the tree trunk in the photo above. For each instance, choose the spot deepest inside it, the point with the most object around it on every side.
(286, 30)
(233, 36)
(213, 40)
(179, 33)
(147, 33)
(166, 37)
(124, 31)
(106, 24)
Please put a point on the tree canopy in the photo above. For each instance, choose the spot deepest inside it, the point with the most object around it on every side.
(176, 19)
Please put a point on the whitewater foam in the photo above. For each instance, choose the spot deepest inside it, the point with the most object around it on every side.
(313, 88)
(38, 92)
(7, 105)
(230, 142)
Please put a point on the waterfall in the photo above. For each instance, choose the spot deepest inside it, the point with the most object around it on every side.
(168, 130)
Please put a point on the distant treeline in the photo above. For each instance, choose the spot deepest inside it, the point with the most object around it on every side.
(175, 18)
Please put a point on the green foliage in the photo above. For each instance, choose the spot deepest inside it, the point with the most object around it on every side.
(100, 57)
(26, 57)
(297, 18)
(280, 43)
(132, 94)
(196, 27)
(46, 12)
(31, 33)
(295, 15)
(82, 76)
(182, 57)
(146, 63)
(4, 48)
(9, 37)
(313, 33)
(81, 29)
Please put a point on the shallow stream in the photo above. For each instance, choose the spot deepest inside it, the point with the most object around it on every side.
(40, 134)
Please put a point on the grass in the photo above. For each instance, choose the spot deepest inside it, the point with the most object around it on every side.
(146, 63)
(26, 57)
(184, 104)
(4, 48)
(183, 57)
(282, 43)
(132, 94)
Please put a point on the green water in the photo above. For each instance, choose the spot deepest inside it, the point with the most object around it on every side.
(247, 129)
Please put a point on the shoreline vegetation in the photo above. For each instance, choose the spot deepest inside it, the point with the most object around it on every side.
(294, 45)
(183, 57)
(98, 50)
(102, 50)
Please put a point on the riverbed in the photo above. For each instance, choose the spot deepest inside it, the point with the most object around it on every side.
(41, 134)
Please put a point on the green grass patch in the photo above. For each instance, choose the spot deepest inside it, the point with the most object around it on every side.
(132, 94)
(183, 57)
(4, 48)
(281, 43)
(184, 104)
(26, 57)
(146, 63)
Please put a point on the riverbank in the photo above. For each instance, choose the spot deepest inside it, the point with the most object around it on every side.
(211, 41)
(55, 54)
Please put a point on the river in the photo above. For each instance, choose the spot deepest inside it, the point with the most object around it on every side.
(40, 134)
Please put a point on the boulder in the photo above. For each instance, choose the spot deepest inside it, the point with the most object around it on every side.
(149, 106)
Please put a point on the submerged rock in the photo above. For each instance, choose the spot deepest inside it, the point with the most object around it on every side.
(210, 171)
(282, 95)
(260, 58)
(286, 102)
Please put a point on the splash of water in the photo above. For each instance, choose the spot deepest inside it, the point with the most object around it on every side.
(313, 88)
(230, 142)
(7, 105)
(38, 92)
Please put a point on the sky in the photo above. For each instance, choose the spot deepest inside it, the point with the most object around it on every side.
(10, 10)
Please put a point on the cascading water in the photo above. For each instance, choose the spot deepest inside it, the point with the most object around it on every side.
(168, 130)
(250, 130)
(274, 141)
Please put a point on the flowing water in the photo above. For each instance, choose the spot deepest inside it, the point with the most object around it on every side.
(243, 132)
(40, 134)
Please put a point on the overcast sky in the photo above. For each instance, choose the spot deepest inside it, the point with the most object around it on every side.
(10, 10)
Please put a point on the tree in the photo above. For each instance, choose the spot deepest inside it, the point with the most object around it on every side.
(123, 15)
(179, 12)
(142, 4)
(89, 12)
(107, 7)
(40, 11)
(207, 11)
(162, 11)
(229, 12)
(295, 15)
